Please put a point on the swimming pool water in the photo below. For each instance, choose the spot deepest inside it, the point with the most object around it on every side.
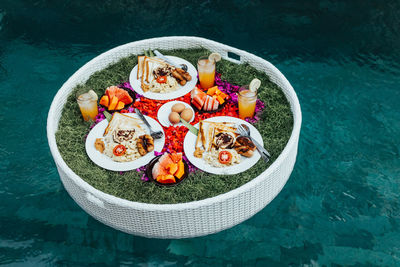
(341, 204)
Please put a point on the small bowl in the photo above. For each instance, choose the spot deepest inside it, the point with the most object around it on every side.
(130, 92)
(149, 174)
(220, 107)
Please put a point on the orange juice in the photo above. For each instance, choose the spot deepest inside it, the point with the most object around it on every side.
(206, 70)
(247, 102)
(88, 106)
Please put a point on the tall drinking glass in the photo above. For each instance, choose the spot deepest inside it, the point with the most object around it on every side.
(247, 102)
(87, 104)
(206, 70)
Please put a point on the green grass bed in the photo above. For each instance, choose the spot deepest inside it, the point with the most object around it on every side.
(275, 127)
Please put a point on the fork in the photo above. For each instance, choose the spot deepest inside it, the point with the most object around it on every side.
(154, 134)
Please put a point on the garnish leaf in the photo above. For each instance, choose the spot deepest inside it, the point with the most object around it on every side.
(151, 53)
(191, 128)
(107, 115)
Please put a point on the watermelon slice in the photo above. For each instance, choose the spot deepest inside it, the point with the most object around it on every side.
(111, 91)
(123, 96)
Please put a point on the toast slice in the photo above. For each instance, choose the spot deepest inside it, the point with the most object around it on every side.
(140, 67)
(123, 122)
(208, 130)
(149, 64)
(207, 134)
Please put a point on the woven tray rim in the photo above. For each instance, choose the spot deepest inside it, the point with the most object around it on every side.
(52, 124)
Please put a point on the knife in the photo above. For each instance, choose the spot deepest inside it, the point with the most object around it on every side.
(158, 54)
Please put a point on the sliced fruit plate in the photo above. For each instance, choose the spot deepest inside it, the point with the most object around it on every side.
(209, 101)
(167, 169)
(117, 98)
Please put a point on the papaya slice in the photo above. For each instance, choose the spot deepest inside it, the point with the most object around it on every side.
(166, 179)
(113, 103)
(120, 105)
(104, 100)
(172, 168)
(211, 91)
(220, 100)
(180, 171)
(223, 95)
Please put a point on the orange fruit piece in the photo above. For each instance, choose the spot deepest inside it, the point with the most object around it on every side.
(104, 100)
(113, 103)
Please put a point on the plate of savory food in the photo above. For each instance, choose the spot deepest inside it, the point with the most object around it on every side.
(153, 78)
(219, 149)
(124, 143)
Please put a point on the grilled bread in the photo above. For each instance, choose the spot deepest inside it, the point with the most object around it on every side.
(124, 122)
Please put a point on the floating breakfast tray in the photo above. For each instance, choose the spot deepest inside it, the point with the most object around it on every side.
(185, 219)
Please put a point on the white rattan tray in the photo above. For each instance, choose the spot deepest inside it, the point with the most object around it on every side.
(186, 219)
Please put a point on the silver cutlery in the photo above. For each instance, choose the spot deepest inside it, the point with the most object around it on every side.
(244, 130)
(154, 134)
(182, 66)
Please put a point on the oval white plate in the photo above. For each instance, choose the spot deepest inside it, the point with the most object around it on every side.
(182, 90)
(245, 163)
(106, 162)
(165, 110)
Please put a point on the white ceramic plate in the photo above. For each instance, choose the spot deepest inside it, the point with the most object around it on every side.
(165, 110)
(182, 90)
(106, 162)
(245, 163)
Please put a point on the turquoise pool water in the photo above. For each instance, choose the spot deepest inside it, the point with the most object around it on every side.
(341, 204)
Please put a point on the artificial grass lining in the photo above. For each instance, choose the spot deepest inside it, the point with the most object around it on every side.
(275, 126)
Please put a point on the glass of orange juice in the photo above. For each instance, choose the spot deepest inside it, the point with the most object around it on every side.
(206, 70)
(87, 101)
(247, 102)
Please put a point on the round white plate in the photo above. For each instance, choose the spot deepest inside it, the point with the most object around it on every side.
(245, 163)
(165, 110)
(107, 163)
(182, 90)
